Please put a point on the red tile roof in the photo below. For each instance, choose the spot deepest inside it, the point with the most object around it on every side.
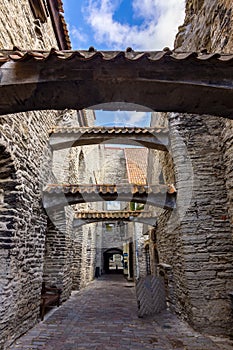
(136, 163)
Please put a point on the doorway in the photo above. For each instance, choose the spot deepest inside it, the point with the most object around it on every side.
(113, 261)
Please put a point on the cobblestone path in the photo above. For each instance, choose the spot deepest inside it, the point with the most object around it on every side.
(103, 316)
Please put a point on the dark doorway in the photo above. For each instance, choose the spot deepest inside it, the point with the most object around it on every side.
(113, 261)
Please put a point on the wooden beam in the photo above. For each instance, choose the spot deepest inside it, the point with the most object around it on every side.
(158, 81)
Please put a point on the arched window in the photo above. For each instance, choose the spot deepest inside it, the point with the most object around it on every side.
(81, 161)
(81, 167)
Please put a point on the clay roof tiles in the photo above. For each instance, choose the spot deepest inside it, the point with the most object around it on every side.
(104, 189)
(111, 214)
(136, 163)
(108, 130)
(24, 55)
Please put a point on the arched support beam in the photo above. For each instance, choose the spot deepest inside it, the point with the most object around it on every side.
(85, 218)
(65, 137)
(55, 196)
(162, 81)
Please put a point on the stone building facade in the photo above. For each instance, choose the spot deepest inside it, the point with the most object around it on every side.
(195, 241)
(70, 257)
(25, 165)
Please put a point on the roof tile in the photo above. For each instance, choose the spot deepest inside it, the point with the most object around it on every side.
(136, 163)
(113, 55)
(103, 188)
(112, 214)
(108, 130)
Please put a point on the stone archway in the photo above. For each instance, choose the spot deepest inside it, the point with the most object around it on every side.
(162, 81)
(108, 254)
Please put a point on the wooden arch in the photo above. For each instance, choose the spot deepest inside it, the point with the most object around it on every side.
(56, 196)
(85, 218)
(161, 81)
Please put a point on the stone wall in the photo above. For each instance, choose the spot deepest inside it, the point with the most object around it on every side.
(19, 28)
(114, 171)
(24, 164)
(196, 240)
(209, 25)
(71, 258)
(27, 224)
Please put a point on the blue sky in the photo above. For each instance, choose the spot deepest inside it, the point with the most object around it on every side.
(143, 25)
(122, 118)
(118, 24)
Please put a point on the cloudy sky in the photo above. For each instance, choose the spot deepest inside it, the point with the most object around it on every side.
(118, 24)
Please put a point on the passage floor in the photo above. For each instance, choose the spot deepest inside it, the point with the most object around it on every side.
(103, 316)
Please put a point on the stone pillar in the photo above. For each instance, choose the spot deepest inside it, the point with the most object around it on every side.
(59, 254)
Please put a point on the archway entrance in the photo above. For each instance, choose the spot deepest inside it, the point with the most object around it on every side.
(113, 261)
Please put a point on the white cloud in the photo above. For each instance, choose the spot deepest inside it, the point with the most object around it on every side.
(78, 35)
(161, 19)
(146, 8)
(131, 118)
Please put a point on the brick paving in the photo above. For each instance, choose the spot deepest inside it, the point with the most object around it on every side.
(103, 316)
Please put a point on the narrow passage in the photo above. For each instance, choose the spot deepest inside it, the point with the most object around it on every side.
(103, 316)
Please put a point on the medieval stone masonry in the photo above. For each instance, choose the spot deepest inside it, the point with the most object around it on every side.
(196, 241)
(25, 167)
(187, 246)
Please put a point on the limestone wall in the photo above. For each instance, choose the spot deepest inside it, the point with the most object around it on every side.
(209, 25)
(196, 240)
(18, 27)
(114, 171)
(23, 235)
(24, 167)
(71, 254)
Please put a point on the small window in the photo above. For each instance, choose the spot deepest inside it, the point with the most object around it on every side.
(113, 205)
(39, 10)
(153, 235)
(81, 161)
(147, 252)
(109, 227)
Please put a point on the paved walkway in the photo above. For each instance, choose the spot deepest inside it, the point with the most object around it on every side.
(103, 316)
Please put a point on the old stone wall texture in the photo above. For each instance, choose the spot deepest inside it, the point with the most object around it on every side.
(19, 27)
(24, 168)
(196, 240)
(71, 253)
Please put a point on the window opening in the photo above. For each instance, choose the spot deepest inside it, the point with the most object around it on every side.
(147, 252)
